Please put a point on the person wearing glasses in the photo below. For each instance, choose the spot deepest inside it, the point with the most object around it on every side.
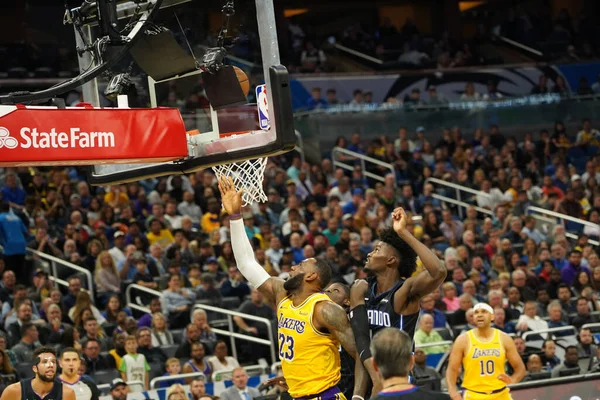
(44, 385)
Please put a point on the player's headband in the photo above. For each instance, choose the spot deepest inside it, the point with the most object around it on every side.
(483, 306)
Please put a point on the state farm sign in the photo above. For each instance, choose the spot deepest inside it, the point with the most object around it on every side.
(50, 136)
(75, 138)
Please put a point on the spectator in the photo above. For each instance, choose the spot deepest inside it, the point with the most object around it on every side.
(200, 320)
(428, 307)
(450, 299)
(316, 101)
(146, 319)
(153, 354)
(583, 314)
(549, 358)
(106, 277)
(529, 321)
(586, 347)
(571, 361)
(160, 331)
(198, 389)
(234, 285)
(220, 361)
(134, 366)
(425, 335)
(93, 331)
(28, 342)
(94, 361)
(172, 367)
(13, 234)
(501, 323)
(534, 366)
(83, 301)
(197, 362)
(240, 387)
(191, 336)
(178, 301)
(470, 94)
(312, 59)
(421, 370)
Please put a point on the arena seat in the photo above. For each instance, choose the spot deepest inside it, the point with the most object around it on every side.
(105, 376)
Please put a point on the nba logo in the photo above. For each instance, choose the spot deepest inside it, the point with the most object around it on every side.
(263, 106)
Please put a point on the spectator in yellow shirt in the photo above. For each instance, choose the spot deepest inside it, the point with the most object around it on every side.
(115, 197)
(159, 234)
(210, 219)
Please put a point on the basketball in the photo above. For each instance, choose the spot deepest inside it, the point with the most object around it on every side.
(243, 79)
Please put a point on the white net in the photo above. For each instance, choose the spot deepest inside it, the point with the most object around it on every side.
(247, 176)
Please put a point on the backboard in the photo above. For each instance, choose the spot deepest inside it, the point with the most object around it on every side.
(227, 135)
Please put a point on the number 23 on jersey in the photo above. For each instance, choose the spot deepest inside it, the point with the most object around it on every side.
(286, 347)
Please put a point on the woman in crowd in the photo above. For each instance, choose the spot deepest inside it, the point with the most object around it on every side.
(449, 296)
(160, 331)
(113, 307)
(106, 277)
(82, 301)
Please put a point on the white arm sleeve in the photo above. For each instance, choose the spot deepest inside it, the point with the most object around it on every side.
(244, 255)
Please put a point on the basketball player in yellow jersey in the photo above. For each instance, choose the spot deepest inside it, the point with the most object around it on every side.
(483, 352)
(310, 326)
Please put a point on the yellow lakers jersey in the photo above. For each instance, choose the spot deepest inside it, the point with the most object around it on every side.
(310, 359)
(483, 362)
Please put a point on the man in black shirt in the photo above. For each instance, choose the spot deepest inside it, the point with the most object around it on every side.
(393, 359)
(257, 308)
(94, 361)
(44, 385)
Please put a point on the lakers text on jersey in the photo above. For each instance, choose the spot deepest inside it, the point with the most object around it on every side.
(310, 359)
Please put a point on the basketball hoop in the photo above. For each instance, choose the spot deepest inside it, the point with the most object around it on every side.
(247, 176)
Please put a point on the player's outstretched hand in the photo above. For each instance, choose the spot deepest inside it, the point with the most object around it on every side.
(357, 292)
(279, 381)
(399, 219)
(505, 378)
(231, 198)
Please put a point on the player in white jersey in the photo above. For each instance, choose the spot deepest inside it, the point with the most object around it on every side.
(134, 366)
(84, 388)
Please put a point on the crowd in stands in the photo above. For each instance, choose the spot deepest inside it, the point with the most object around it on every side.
(170, 234)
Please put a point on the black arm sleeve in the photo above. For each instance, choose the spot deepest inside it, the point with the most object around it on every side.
(362, 335)
(93, 388)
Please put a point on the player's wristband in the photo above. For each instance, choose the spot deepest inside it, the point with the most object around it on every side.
(234, 216)
(362, 335)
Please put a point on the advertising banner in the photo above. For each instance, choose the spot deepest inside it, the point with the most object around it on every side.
(32, 136)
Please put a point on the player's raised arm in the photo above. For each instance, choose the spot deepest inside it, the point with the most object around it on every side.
(454, 363)
(514, 359)
(332, 317)
(270, 287)
(426, 281)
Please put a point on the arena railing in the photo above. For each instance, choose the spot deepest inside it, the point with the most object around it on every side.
(136, 306)
(276, 367)
(159, 379)
(54, 262)
(299, 145)
(584, 386)
(337, 154)
(457, 190)
(549, 331)
(230, 332)
(561, 218)
(226, 374)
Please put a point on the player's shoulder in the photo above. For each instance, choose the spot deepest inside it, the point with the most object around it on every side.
(13, 391)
